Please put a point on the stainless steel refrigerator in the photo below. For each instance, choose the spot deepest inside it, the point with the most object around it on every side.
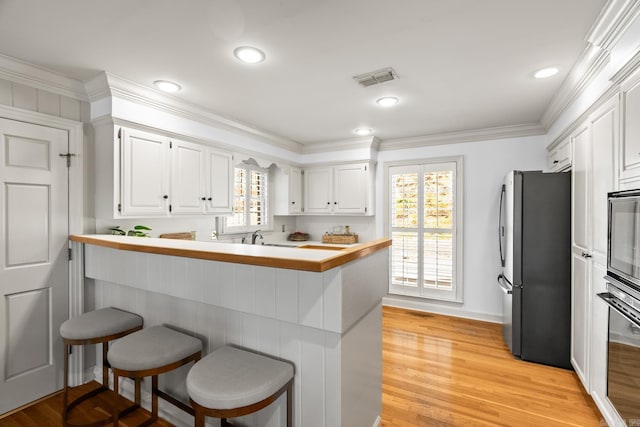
(535, 254)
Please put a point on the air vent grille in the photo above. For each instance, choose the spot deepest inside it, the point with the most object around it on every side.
(376, 77)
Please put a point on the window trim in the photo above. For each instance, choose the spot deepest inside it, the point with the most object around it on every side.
(457, 295)
(268, 200)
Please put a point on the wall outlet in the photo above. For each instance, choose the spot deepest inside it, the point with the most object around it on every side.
(214, 235)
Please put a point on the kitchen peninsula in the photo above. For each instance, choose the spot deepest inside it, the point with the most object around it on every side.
(319, 308)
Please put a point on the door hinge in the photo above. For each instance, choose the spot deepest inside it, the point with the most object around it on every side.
(365, 209)
(119, 207)
(365, 168)
(68, 156)
(170, 144)
(169, 208)
(70, 257)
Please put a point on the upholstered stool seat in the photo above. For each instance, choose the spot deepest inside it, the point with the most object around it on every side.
(151, 352)
(230, 382)
(99, 326)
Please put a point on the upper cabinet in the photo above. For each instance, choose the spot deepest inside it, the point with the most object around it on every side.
(559, 157)
(341, 189)
(287, 190)
(143, 174)
(630, 147)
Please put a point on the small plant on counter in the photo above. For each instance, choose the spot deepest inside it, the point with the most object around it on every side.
(138, 231)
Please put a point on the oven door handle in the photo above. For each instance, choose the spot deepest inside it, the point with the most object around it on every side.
(607, 297)
(504, 287)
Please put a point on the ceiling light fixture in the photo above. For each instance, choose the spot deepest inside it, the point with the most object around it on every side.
(546, 72)
(363, 131)
(248, 54)
(387, 101)
(167, 86)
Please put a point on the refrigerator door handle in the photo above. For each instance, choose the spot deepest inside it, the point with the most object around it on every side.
(504, 287)
(501, 226)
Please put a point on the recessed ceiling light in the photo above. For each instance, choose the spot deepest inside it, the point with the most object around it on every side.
(387, 101)
(167, 86)
(546, 72)
(248, 54)
(363, 131)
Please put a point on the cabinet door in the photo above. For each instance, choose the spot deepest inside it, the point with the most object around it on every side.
(580, 297)
(295, 190)
(599, 335)
(145, 174)
(187, 178)
(630, 148)
(580, 177)
(350, 189)
(219, 174)
(604, 140)
(560, 158)
(317, 190)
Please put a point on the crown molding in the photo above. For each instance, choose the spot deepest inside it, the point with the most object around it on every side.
(502, 132)
(591, 62)
(368, 142)
(614, 19)
(21, 72)
(106, 84)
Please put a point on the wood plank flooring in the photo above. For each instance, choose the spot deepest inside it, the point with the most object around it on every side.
(437, 371)
(447, 371)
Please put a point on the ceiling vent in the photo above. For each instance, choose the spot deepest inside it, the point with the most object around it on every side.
(376, 77)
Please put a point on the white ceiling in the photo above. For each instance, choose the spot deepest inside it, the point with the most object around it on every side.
(462, 64)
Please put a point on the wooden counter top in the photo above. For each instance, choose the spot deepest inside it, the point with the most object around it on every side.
(317, 260)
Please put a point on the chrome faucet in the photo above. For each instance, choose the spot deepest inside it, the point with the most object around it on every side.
(254, 236)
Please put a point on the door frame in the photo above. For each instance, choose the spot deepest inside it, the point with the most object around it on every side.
(76, 213)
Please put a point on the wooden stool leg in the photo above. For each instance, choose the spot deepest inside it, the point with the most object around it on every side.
(154, 397)
(137, 392)
(116, 395)
(105, 364)
(65, 397)
(290, 404)
(199, 419)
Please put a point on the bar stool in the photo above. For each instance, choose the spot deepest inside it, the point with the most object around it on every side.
(99, 326)
(230, 382)
(148, 353)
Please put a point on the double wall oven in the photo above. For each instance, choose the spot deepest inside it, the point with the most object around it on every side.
(623, 298)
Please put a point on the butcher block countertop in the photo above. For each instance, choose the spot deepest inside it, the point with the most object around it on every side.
(314, 258)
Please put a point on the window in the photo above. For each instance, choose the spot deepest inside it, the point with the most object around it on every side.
(250, 200)
(425, 205)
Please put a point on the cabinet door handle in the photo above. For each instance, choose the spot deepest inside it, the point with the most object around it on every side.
(293, 203)
(209, 199)
(555, 162)
(328, 203)
(335, 203)
(586, 255)
(203, 199)
(165, 197)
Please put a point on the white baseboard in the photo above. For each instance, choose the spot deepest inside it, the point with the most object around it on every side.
(429, 307)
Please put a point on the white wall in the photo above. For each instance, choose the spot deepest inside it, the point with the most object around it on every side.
(485, 165)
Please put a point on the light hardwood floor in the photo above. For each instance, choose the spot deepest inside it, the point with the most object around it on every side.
(447, 371)
(437, 371)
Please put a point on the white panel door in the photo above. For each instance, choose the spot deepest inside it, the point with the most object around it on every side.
(318, 190)
(145, 174)
(350, 188)
(34, 275)
(219, 173)
(187, 178)
(295, 190)
(580, 176)
(580, 298)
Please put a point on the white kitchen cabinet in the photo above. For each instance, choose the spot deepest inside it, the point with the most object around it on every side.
(559, 157)
(341, 189)
(288, 191)
(219, 181)
(594, 164)
(630, 146)
(145, 173)
(187, 173)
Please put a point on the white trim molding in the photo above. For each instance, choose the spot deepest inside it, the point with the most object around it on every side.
(106, 85)
(438, 308)
(502, 132)
(21, 72)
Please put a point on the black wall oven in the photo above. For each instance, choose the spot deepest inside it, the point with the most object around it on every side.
(623, 298)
